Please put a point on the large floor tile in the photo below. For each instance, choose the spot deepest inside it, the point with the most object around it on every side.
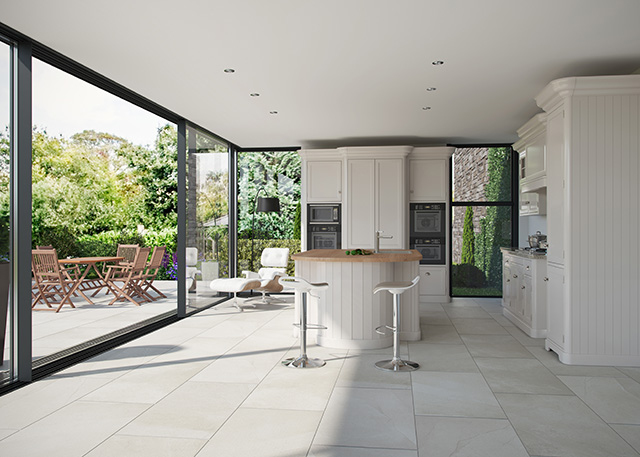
(462, 437)
(378, 418)
(525, 376)
(71, 431)
(615, 400)
(495, 346)
(442, 334)
(478, 326)
(630, 433)
(442, 357)
(152, 446)
(524, 339)
(359, 370)
(195, 410)
(554, 425)
(453, 394)
(550, 360)
(434, 317)
(343, 451)
(632, 372)
(467, 312)
(264, 433)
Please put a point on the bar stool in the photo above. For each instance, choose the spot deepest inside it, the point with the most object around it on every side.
(304, 287)
(396, 363)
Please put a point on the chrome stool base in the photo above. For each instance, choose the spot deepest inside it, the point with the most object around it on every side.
(397, 365)
(303, 362)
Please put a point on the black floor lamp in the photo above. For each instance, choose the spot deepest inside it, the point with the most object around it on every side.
(262, 205)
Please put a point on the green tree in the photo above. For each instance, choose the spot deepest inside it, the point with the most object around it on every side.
(468, 238)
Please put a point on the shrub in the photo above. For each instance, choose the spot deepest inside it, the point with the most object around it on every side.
(466, 275)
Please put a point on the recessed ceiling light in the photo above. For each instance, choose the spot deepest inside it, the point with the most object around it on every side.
(437, 62)
(229, 70)
(430, 89)
(426, 108)
(273, 112)
(255, 94)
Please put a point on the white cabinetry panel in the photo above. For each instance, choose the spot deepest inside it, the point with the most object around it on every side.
(428, 180)
(391, 208)
(361, 203)
(324, 181)
(555, 187)
(433, 286)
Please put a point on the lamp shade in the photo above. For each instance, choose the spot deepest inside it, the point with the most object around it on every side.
(268, 205)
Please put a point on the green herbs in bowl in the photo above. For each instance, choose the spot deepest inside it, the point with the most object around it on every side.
(359, 252)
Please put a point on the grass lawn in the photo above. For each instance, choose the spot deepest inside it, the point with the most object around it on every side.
(476, 292)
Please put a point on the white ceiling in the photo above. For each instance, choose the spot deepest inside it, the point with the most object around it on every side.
(341, 72)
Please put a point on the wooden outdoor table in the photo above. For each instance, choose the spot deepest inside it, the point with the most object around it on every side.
(90, 263)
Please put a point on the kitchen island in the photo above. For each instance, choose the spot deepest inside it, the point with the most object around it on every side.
(349, 308)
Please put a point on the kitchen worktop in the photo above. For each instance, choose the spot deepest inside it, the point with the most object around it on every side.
(520, 252)
(340, 255)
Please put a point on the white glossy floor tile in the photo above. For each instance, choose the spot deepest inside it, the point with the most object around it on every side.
(442, 357)
(525, 376)
(556, 425)
(495, 346)
(344, 451)
(453, 394)
(615, 400)
(442, 334)
(264, 433)
(630, 433)
(359, 370)
(71, 431)
(550, 360)
(194, 410)
(467, 312)
(379, 418)
(147, 446)
(461, 437)
(478, 326)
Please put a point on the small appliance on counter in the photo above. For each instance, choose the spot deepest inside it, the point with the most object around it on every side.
(536, 240)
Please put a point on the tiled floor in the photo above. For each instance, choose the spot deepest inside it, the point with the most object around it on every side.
(213, 385)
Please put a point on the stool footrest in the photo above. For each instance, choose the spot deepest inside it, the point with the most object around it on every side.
(388, 327)
(311, 326)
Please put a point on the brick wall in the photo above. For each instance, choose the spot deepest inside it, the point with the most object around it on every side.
(469, 180)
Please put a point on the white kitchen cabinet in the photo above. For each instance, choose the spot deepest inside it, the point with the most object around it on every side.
(533, 203)
(593, 126)
(434, 285)
(532, 168)
(324, 181)
(428, 180)
(555, 303)
(524, 293)
(375, 197)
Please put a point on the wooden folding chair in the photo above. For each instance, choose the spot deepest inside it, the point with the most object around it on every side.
(151, 271)
(128, 251)
(52, 281)
(131, 278)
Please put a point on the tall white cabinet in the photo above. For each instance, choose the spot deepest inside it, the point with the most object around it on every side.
(375, 197)
(593, 175)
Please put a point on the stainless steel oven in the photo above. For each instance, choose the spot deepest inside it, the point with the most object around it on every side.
(324, 236)
(324, 213)
(427, 220)
(433, 250)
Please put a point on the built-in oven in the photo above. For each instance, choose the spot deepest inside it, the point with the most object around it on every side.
(324, 236)
(427, 220)
(324, 213)
(433, 250)
(323, 226)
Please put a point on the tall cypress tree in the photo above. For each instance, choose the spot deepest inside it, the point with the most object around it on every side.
(468, 238)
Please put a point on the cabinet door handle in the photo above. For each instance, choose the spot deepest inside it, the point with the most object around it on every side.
(427, 273)
(522, 287)
(546, 279)
(508, 280)
(515, 276)
(527, 267)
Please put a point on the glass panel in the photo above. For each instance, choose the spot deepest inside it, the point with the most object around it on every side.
(207, 217)
(478, 232)
(6, 337)
(104, 175)
(273, 174)
(482, 175)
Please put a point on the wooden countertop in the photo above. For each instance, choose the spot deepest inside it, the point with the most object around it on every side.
(339, 255)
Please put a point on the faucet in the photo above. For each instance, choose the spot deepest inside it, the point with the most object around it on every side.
(379, 234)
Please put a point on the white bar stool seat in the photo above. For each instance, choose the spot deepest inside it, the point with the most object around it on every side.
(304, 287)
(396, 288)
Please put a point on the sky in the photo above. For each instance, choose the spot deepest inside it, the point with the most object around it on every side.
(65, 105)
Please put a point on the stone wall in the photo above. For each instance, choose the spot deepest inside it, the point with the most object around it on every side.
(469, 180)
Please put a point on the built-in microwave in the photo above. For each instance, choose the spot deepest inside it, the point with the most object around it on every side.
(323, 213)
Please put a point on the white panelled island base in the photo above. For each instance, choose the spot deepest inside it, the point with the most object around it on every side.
(349, 308)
